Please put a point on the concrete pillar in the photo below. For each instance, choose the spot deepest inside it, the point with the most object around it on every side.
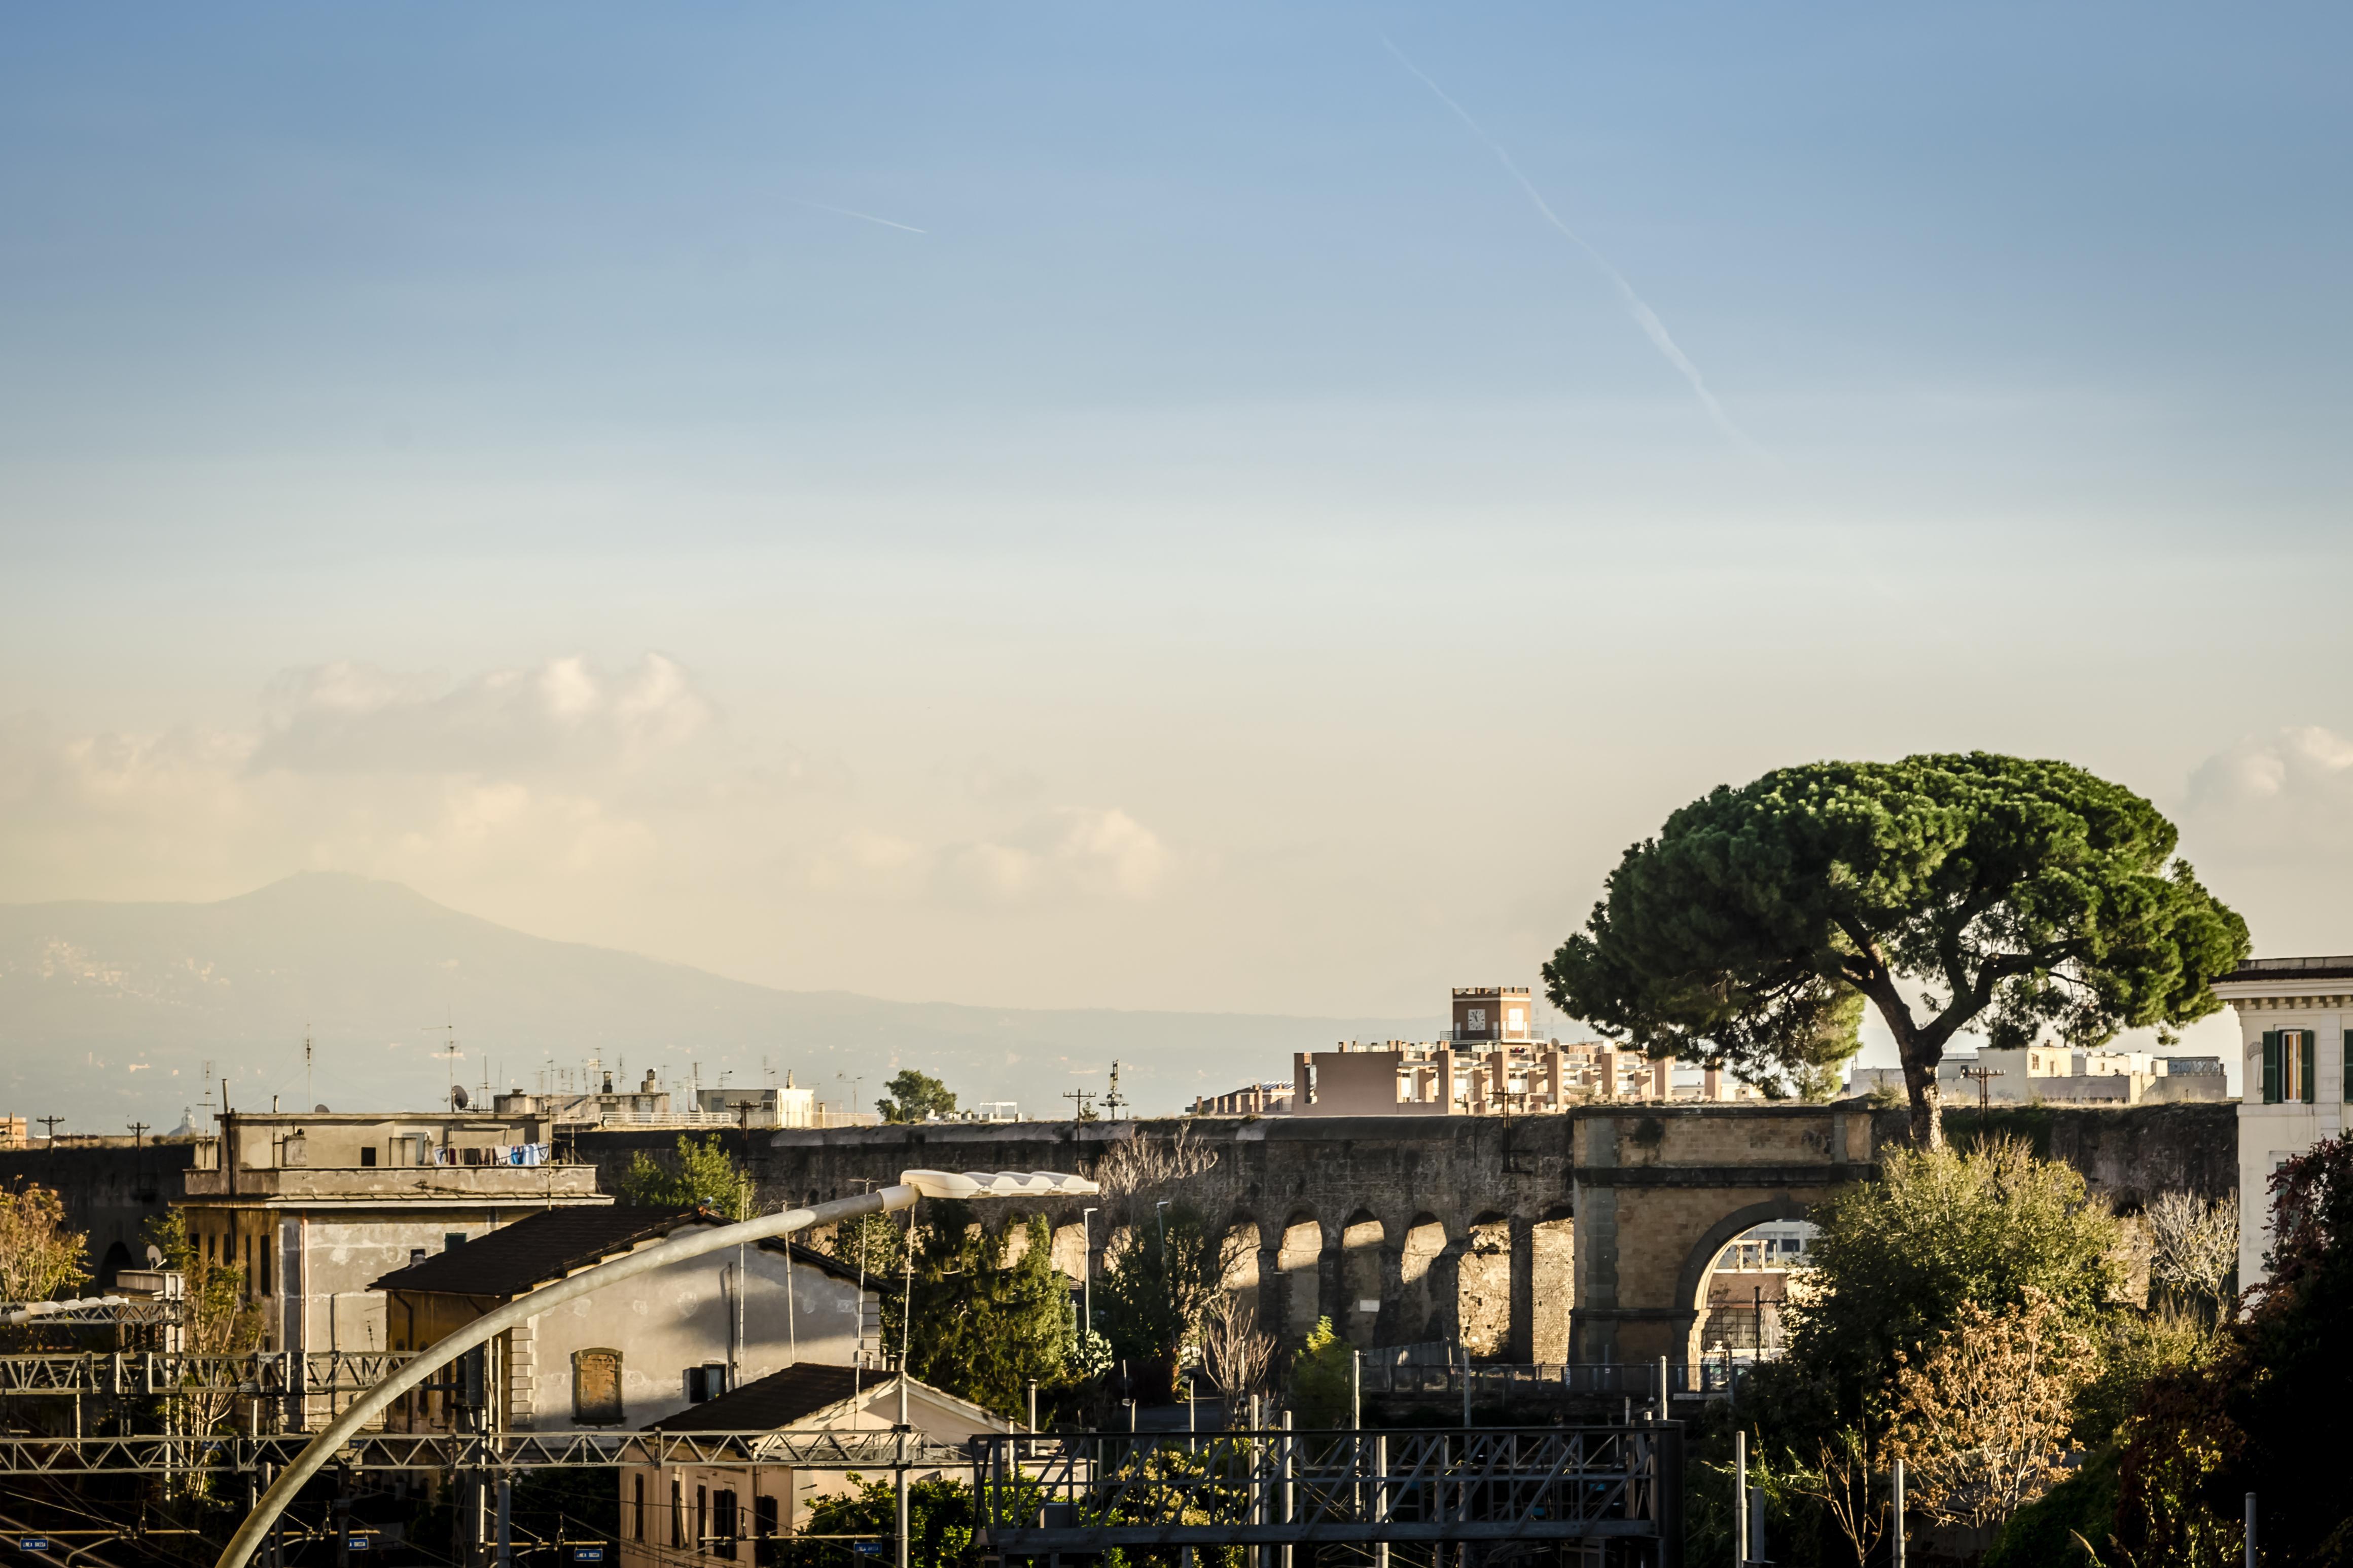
(1605, 1075)
(1661, 1085)
(1330, 1279)
(1519, 1339)
(1712, 1081)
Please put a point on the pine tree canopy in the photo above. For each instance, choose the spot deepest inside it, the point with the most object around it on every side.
(2017, 897)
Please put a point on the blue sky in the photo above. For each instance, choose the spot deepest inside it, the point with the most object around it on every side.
(1213, 543)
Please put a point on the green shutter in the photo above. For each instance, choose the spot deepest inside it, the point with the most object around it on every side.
(2271, 1067)
(2309, 1043)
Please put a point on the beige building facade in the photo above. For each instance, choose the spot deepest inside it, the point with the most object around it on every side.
(316, 1205)
(643, 1349)
(676, 1515)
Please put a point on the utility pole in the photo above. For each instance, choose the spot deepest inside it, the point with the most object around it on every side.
(138, 1129)
(1981, 1075)
(1087, 1274)
(1081, 1097)
(51, 1123)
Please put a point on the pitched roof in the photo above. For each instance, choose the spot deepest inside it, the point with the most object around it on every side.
(778, 1399)
(552, 1243)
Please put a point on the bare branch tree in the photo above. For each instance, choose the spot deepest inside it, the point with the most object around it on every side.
(1842, 1483)
(1136, 1166)
(2194, 1244)
(1233, 1349)
(1982, 1420)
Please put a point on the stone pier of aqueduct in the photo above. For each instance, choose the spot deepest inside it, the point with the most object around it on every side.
(1585, 1236)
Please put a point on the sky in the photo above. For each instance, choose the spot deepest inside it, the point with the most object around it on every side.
(1220, 507)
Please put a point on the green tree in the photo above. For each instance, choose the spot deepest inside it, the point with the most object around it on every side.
(700, 1173)
(2012, 896)
(1158, 1282)
(939, 1521)
(1898, 1259)
(216, 1319)
(38, 1256)
(985, 1327)
(915, 1096)
(1321, 1379)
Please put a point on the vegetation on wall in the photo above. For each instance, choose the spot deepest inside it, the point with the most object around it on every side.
(701, 1174)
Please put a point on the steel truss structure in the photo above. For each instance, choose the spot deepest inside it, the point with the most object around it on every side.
(268, 1373)
(1042, 1495)
(227, 1453)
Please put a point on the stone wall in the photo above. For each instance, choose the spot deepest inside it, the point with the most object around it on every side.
(110, 1195)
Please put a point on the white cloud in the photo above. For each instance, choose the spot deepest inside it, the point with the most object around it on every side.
(2291, 791)
(1091, 852)
(348, 717)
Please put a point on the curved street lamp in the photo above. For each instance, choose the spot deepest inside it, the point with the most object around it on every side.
(912, 1185)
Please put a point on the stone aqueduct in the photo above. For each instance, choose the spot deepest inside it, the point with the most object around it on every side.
(1587, 1235)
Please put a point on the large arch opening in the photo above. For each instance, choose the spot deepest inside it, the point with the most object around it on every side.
(1483, 1287)
(1421, 1318)
(1360, 1279)
(1300, 1262)
(1734, 1284)
(1241, 1245)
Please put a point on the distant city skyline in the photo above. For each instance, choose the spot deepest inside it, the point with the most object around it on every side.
(1219, 510)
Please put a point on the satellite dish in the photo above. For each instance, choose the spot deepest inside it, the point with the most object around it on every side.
(457, 1096)
(319, 1110)
(154, 1257)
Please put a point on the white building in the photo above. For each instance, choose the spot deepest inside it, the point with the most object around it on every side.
(2024, 1075)
(2295, 1025)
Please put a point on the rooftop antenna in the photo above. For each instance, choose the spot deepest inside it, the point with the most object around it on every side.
(1114, 1102)
(448, 1032)
(310, 1090)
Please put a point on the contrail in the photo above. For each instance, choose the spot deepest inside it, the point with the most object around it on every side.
(1643, 315)
(848, 212)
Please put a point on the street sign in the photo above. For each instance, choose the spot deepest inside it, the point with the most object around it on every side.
(587, 1554)
(32, 1543)
(356, 1542)
(866, 1548)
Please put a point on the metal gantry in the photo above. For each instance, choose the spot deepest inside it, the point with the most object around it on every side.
(1042, 1495)
(268, 1373)
(227, 1453)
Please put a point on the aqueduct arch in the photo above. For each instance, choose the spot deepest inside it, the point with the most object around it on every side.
(1660, 1190)
(1585, 1235)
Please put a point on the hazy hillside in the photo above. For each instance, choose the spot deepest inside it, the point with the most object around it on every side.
(108, 1012)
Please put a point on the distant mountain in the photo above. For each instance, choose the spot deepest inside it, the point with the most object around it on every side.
(108, 1013)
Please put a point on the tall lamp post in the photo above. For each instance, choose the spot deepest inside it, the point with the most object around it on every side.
(700, 1241)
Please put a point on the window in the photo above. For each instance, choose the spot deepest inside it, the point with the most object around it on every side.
(764, 1527)
(708, 1381)
(677, 1513)
(701, 1518)
(637, 1507)
(596, 1388)
(722, 1508)
(368, 1156)
(451, 1240)
(2290, 1060)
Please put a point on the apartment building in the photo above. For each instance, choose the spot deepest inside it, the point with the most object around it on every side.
(315, 1206)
